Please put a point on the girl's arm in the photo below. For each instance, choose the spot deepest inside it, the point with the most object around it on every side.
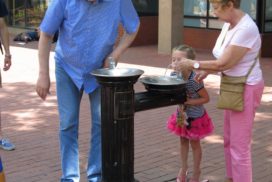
(204, 98)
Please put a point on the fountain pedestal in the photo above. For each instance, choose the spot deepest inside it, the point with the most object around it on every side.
(118, 105)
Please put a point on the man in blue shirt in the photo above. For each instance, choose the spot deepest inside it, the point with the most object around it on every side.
(88, 30)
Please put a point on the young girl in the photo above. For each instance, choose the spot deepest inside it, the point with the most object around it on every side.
(191, 122)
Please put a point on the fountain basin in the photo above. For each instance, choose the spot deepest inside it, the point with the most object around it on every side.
(165, 84)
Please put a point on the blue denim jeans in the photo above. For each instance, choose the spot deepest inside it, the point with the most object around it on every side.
(69, 97)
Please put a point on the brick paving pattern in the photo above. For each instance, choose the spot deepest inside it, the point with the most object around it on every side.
(33, 125)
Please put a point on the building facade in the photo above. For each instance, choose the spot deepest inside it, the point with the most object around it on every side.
(199, 22)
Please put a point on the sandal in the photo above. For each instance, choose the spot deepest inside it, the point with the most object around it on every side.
(182, 178)
(193, 180)
(228, 180)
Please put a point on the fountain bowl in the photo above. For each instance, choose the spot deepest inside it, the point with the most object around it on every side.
(166, 84)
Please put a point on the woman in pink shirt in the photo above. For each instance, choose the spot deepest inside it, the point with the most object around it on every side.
(235, 51)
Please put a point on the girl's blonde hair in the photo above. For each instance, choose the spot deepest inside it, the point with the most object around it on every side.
(190, 53)
(236, 3)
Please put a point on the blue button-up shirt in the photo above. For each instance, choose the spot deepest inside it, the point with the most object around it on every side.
(87, 34)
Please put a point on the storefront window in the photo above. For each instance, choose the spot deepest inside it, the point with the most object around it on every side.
(195, 12)
(198, 13)
(268, 16)
(249, 6)
(195, 7)
(27, 13)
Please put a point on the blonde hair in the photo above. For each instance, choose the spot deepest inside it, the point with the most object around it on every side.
(190, 53)
(236, 3)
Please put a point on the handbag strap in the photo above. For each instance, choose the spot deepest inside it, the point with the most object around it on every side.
(255, 61)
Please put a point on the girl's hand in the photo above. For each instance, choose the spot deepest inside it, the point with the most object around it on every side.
(184, 64)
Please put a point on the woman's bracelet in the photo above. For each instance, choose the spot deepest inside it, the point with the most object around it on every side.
(8, 56)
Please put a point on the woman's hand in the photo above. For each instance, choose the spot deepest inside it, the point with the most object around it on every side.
(201, 75)
(183, 65)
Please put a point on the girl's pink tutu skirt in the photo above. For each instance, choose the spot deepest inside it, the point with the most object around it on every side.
(200, 127)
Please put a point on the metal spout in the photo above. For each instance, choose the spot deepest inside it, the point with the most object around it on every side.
(112, 63)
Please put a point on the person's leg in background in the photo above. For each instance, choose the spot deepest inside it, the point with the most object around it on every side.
(5, 143)
(95, 154)
(68, 97)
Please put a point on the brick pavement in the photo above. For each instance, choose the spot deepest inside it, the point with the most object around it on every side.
(33, 125)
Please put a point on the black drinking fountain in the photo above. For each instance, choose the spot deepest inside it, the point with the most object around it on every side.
(119, 102)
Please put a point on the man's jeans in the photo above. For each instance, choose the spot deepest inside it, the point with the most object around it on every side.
(69, 98)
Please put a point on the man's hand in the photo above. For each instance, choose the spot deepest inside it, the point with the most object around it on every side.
(43, 86)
